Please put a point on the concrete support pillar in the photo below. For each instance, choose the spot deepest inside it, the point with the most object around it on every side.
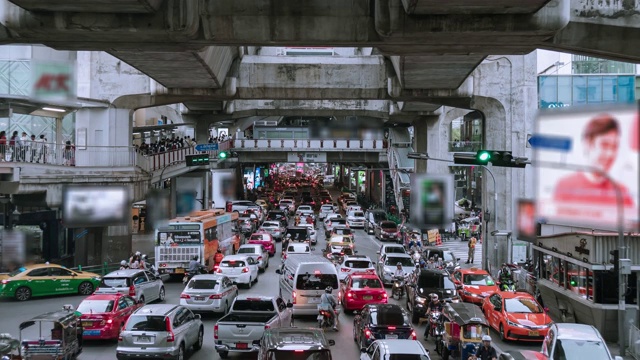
(207, 202)
(420, 142)
(202, 132)
(107, 133)
(116, 244)
(59, 139)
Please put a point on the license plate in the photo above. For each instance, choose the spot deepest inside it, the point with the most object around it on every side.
(367, 297)
(91, 332)
(200, 298)
(314, 300)
(534, 333)
(390, 337)
(86, 324)
(320, 317)
(144, 339)
(241, 345)
(179, 271)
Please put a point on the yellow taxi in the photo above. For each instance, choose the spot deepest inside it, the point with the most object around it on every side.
(46, 280)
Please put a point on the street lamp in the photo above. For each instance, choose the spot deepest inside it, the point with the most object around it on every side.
(485, 245)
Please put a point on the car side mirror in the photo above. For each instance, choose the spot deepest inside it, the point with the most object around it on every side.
(278, 272)
(363, 349)
(289, 305)
(198, 316)
(459, 287)
(332, 342)
(497, 308)
(378, 252)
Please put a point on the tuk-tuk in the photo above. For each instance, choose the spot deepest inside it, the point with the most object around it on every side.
(59, 336)
(464, 326)
(9, 347)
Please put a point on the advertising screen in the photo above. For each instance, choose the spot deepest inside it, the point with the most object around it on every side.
(93, 206)
(591, 172)
(432, 200)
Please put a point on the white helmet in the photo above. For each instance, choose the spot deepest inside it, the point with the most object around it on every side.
(138, 253)
(144, 257)
(486, 338)
(123, 263)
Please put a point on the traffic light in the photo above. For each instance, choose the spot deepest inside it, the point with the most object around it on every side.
(616, 260)
(484, 157)
(197, 160)
(223, 155)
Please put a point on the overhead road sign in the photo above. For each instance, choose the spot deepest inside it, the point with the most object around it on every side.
(206, 147)
(538, 141)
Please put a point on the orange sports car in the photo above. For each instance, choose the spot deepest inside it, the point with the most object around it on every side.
(516, 316)
(474, 284)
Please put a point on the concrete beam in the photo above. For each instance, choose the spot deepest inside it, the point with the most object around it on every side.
(608, 29)
(332, 156)
(437, 72)
(111, 6)
(426, 7)
(193, 69)
(373, 108)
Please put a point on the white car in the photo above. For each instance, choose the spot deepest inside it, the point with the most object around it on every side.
(351, 208)
(305, 209)
(390, 248)
(313, 236)
(209, 292)
(355, 219)
(328, 221)
(241, 269)
(325, 210)
(287, 205)
(258, 252)
(348, 203)
(273, 228)
(297, 249)
(392, 349)
(354, 263)
(387, 266)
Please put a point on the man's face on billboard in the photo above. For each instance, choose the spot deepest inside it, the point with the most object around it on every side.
(602, 150)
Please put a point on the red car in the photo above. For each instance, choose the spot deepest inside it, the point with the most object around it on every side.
(265, 239)
(360, 289)
(516, 316)
(474, 284)
(104, 315)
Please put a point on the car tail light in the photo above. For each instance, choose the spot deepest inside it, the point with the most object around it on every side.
(170, 336)
(267, 327)
(413, 335)
(349, 294)
(215, 332)
(245, 270)
(132, 291)
(219, 270)
(345, 269)
(259, 258)
(5, 281)
(294, 297)
(185, 296)
(215, 297)
(367, 334)
(384, 295)
(391, 328)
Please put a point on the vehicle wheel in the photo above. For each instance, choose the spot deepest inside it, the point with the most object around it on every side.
(502, 333)
(142, 299)
(320, 324)
(266, 267)
(180, 353)
(85, 288)
(161, 294)
(355, 337)
(415, 318)
(250, 284)
(198, 345)
(223, 355)
(256, 280)
(23, 293)
(445, 353)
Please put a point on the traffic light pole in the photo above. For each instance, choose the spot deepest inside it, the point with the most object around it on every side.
(621, 247)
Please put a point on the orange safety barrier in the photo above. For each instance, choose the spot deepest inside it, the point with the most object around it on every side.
(438, 239)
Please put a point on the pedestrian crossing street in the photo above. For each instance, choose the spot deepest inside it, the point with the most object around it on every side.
(461, 250)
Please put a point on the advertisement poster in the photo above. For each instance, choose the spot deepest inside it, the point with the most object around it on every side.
(178, 238)
(527, 223)
(432, 200)
(586, 181)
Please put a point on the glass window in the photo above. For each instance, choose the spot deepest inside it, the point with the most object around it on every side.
(568, 349)
(547, 267)
(579, 90)
(60, 272)
(316, 281)
(39, 272)
(478, 280)
(146, 323)
(564, 90)
(609, 89)
(95, 306)
(361, 283)
(522, 305)
(548, 91)
(626, 86)
(389, 316)
(202, 284)
(594, 89)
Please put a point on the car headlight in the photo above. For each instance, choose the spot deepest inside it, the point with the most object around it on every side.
(420, 300)
(515, 324)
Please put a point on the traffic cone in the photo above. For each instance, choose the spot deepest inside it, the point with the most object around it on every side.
(438, 239)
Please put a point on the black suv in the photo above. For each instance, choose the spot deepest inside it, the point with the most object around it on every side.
(294, 343)
(381, 321)
(421, 284)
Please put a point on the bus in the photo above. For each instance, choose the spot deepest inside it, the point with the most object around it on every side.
(201, 234)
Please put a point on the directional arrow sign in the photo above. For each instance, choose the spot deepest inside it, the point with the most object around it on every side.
(206, 147)
(538, 141)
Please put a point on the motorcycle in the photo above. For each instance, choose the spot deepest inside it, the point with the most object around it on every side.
(398, 287)
(508, 285)
(189, 274)
(436, 328)
(324, 319)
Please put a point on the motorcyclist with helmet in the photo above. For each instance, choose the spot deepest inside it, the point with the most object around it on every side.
(124, 265)
(285, 244)
(328, 303)
(505, 276)
(398, 275)
(486, 351)
(434, 305)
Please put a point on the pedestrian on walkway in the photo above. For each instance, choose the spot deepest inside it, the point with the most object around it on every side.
(472, 250)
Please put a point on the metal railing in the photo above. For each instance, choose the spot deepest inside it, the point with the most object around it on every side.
(66, 155)
(105, 267)
(634, 342)
(300, 144)
(465, 146)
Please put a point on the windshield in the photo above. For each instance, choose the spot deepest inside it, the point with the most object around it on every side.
(342, 231)
(247, 250)
(95, 306)
(357, 214)
(435, 282)
(408, 357)
(202, 284)
(395, 250)
(389, 316)
(293, 248)
(17, 271)
(379, 216)
(448, 257)
(115, 282)
(146, 323)
(327, 208)
(257, 238)
(478, 279)
(393, 261)
(232, 263)
(358, 264)
(522, 305)
(389, 226)
(579, 349)
(361, 283)
(253, 305)
(316, 281)
(299, 355)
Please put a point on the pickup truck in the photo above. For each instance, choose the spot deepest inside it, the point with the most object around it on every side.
(242, 328)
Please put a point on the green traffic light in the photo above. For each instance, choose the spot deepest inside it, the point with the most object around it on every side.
(222, 155)
(483, 156)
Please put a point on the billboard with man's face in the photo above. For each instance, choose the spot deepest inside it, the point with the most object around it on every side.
(586, 183)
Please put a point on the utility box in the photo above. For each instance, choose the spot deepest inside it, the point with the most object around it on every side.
(625, 266)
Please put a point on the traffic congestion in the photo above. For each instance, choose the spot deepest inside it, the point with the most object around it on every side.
(303, 272)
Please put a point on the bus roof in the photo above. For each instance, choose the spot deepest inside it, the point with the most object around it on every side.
(208, 218)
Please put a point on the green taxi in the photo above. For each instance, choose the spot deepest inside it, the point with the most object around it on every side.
(45, 280)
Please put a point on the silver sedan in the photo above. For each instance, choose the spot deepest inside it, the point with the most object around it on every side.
(209, 293)
(258, 253)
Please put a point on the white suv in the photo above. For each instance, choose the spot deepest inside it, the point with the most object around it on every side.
(354, 263)
(326, 210)
(355, 219)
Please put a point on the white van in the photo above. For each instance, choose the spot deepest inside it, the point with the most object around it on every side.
(304, 278)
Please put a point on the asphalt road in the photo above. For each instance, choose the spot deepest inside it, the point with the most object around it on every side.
(12, 313)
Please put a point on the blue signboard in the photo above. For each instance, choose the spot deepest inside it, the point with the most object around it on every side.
(550, 142)
(206, 147)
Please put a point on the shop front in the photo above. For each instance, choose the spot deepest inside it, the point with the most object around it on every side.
(576, 281)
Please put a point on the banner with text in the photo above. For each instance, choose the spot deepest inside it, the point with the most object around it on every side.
(307, 157)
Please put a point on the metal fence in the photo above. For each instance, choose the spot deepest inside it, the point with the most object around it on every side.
(105, 267)
(634, 342)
